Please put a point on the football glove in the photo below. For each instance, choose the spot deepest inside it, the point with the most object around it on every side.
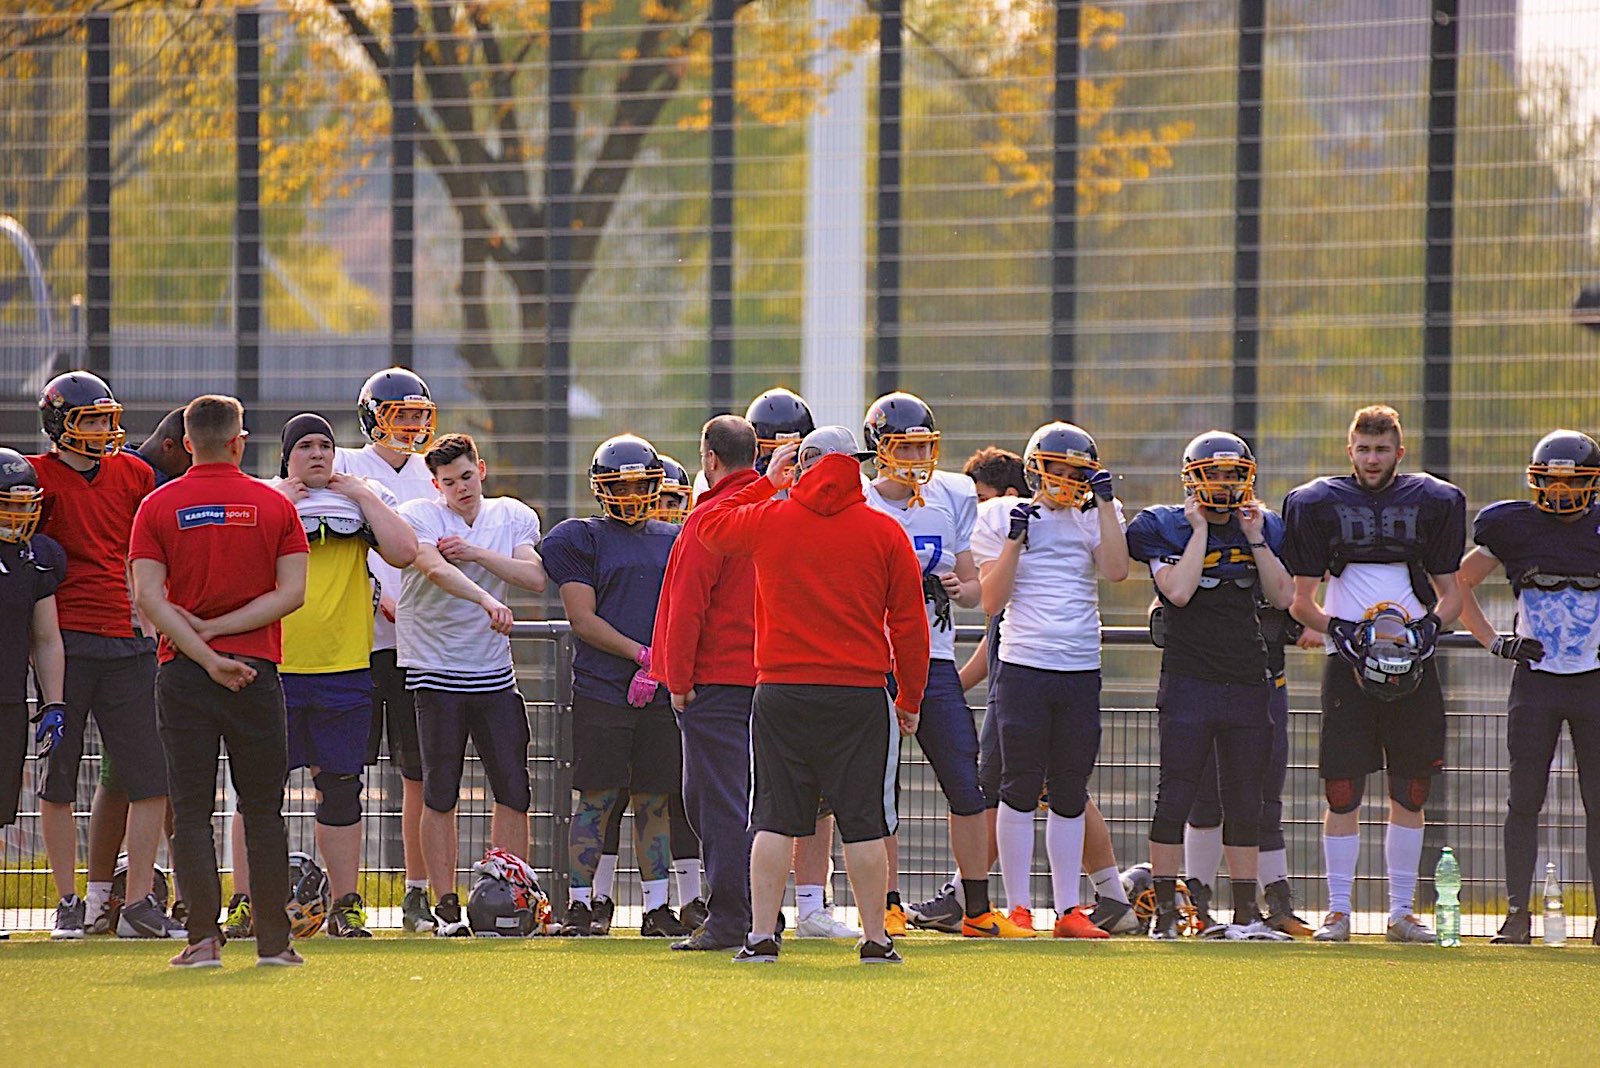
(642, 687)
(1021, 515)
(933, 590)
(1100, 489)
(52, 721)
(1345, 635)
(1521, 650)
(1427, 631)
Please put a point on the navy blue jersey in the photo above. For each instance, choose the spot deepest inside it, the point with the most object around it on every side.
(1554, 568)
(29, 572)
(624, 566)
(1217, 635)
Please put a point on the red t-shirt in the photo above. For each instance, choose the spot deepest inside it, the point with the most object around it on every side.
(220, 533)
(91, 518)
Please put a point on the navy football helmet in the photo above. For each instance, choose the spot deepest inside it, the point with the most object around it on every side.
(21, 499)
(677, 492)
(397, 411)
(1389, 655)
(1564, 472)
(779, 415)
(625, 477)
(899, 419)
(67, 401)
(1061, 443)
(1219, 470)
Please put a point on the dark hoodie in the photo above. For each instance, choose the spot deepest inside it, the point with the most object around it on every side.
(838, 587)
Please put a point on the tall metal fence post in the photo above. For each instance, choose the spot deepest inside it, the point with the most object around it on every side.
(1064, 214)
(1247, 218)
(723, 170)
(566, 30)
(561, 794)
(1439, 267)
(890, 48)
(247, 213)
(402, 184)
(97, 285)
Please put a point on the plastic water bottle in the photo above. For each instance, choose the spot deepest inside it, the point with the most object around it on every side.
(1555, 917)
(1447, 909)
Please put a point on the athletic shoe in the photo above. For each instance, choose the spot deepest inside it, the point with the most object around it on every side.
(416, 911)
(1205, 924)
(451, 923)
(601, 910)
(287, 959)
(878, 953)
(102, 920)
(146, 919)
(69, 919)
(1075, 923)
(1021, 916)
(993, 924)
(662, 922)
(823, 924)
(763, 952)
(1280, 910)
(694, 914)
(579, 922)
(5, 936)
(1257, 930)
(701, 941)
(1517, 930)
(1408, 929)
(1335, 928)
(894, 921)
(942, 912)
(180, 913)
(1114, 917)
(348, 918)
(238, 923)
(206, 953)
(1165, 927)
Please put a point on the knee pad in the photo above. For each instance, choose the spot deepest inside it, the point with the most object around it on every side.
(340, 805)
(1164, 830)
(1241, 833)
(1409, 794)
(1344, 795)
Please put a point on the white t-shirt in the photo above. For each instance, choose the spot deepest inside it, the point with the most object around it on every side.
(446, 643)
(939, 529)
(1362, 587)
(412, 482)
(1053, 618)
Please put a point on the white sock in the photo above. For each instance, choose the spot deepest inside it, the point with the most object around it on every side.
(1274, 867)
(807, 899)
(1108, 883)
(687, 872)
(416, 884)
(1339, 854)
(98, 895)
(1402, 851)
(1202, 854)
(655, 893)
(1063, 841)
(580, 895)
(960, 891)
(605, 875)
(1013, 832)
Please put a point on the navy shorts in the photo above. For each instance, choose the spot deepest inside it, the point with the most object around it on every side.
(949, 738)
(328, 720)
(394, 711)
(1202, 720)
(497, 723)
(1361, 734)
(618, 747)
(1049, 725)
(989, 734)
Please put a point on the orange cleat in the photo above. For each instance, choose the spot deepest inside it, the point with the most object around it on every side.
(1076, 924)
(894, 921)
(1022, 917)
(995, 924)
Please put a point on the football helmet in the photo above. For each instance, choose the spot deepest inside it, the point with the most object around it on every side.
(1219, 470)
(1563, 472)
(677, 493)
(506, 901)
(119, 893)
(894, 420)
(625, 477)
(310, 896)
(388, 396)
(1139, 883)
(21, 499)
(69, 399)
(1060, 442)
(779, 415)
(1389, 653)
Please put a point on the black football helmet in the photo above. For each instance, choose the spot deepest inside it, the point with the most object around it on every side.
(677, 492)
(1390, 657)
(625, 477)
(1219, 470)
(385, 399)
(67, 400)
(1060, 442)
(310, 896)
(897, 419)
(1563, 472)
(778, 415)
(21, 499)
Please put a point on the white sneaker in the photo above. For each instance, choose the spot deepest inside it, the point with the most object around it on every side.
(823, 924)
(1256, 931)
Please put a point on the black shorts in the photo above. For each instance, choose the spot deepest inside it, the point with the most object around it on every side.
(497, 723)
(393, 708)
(13, 754)
(121, 692)
(842, 741)
(615, 747)
(1361, 734)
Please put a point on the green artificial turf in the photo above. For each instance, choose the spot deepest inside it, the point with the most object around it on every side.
(411, 1000)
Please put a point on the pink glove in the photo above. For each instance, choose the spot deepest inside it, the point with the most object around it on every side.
(643, 687)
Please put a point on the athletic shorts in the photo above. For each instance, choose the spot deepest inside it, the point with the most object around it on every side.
(328, 720)
(617, 747)
(497, 723)
(14, 732)
(842, 741)
(1361, 734)
(121, 693)
(394, 711)
(949, 739)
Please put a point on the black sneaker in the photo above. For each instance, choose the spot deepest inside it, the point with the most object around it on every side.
(879, 953)
(146, 919)
(1280, 910)
(694, 914)
(662, 922)
(69, 919)
(579, 922)
(180, 913)
(762, 951)
(239, 923)
(1114, 917)
(1165, 928)
(601, 910)
(701, 941)
(1517, 930)
(451, 923)
(416, 912)
(1205, 924)
(348, 918)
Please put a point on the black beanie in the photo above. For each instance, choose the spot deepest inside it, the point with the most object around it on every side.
(297, 428)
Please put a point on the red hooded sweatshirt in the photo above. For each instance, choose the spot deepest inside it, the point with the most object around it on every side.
(831, 576)
(706, 619)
